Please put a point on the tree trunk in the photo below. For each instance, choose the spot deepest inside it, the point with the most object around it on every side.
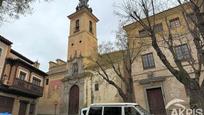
(130, 95)
(196, 98)
(129, 98)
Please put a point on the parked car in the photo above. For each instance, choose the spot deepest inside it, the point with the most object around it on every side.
(84, 111)
(5, 113)
(116, 109)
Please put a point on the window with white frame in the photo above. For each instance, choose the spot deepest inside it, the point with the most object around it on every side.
(36, 81)
(182, 52)
(22, 75)
(148, 61)
(174, 23)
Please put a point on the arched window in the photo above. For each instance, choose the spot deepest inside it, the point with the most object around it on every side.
(77, 26)
(90, 26)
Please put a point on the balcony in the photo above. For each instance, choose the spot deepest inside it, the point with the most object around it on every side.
(27, 88)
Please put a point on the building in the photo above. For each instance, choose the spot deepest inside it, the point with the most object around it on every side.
(71, 87)
(152, 78)
(21, 81)
(51, 102)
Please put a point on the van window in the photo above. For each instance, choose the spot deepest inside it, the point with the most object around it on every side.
(112, 111)
(84, 112)
(95, 111)
(131, 111)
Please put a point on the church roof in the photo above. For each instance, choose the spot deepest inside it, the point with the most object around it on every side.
(4, 40)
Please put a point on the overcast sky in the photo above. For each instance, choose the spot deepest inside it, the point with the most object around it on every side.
(43, 35)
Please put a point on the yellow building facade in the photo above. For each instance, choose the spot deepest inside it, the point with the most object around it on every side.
(71, 87)
(154, 85)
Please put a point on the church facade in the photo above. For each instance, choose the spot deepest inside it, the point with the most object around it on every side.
(71, 87)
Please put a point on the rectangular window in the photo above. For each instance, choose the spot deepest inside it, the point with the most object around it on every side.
(36, 81)
(90, 27)
(22, 75)
(1, 51)
(158, 28)
(96, 87)
(191, 17)
(47, 81)
(148, 61)
(174, 23)
(95, 111)
(182, 52)
(143, 33)
(77, 26)
(112, 111)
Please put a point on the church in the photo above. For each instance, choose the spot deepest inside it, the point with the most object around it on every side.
(71, 87)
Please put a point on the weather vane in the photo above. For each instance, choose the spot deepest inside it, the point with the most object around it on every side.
(83, 4)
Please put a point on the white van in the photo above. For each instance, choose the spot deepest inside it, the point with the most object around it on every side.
(116, 109)
(84, 111)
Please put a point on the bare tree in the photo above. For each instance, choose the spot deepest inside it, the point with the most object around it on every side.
(14, 8)
(118, 58)
(144, 13)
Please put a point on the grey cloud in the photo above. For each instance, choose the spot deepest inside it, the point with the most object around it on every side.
(43, 35)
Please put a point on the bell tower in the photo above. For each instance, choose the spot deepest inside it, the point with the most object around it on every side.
(82, 38)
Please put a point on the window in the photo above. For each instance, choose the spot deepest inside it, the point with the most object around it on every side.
(47, 81)
(77, 26)
(191, 17)
(143, 33)
(84, 112)
(32, 109)
(95, 111)
(22, 75)
(158, 28)
(96, 87)
(131, 111)
(182, 52)
(90, 26)
(75, 68)
(148, 61)
(36, 81)
(174, 23)
(112, 111)
(1, 51)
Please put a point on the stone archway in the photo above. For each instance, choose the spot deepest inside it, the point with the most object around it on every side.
(73, 100)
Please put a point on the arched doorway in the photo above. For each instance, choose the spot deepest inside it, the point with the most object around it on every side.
(74, 100)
